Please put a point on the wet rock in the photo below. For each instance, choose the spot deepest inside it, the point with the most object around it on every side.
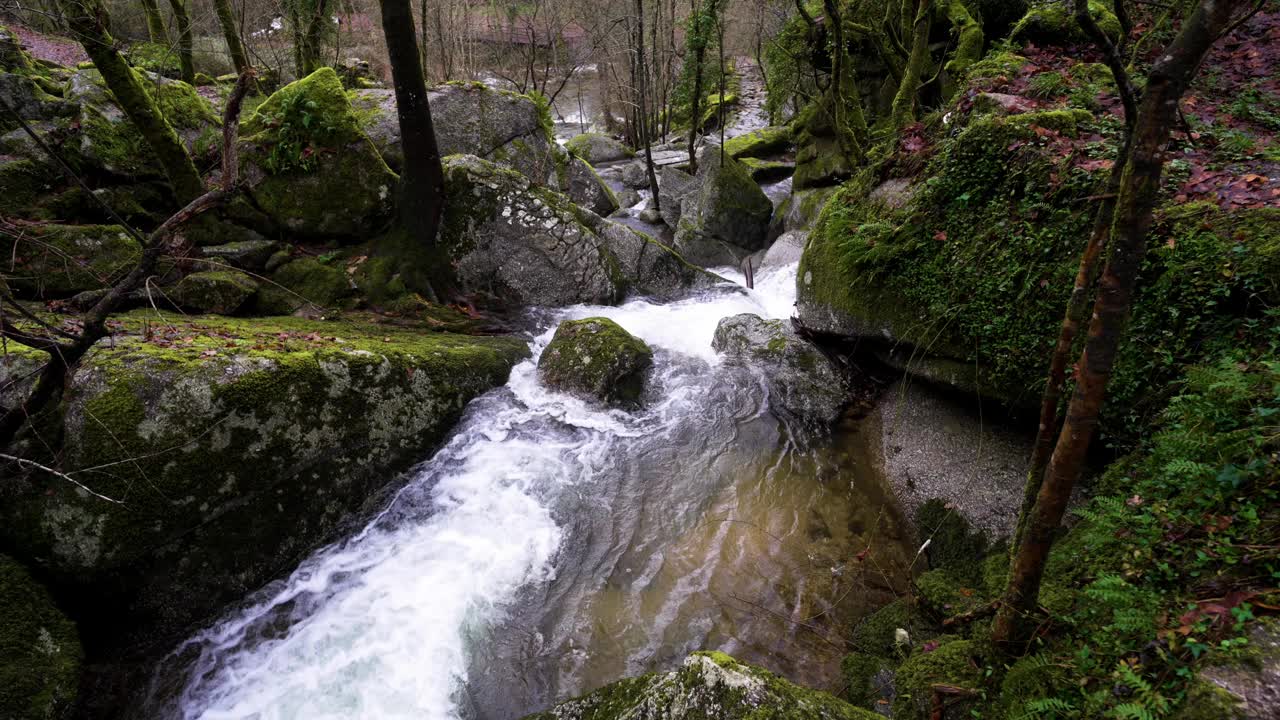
(596, 358)
(1245, 690)
(673, 186)
(598, 148)
(799, 210)
(759, 143)
(515, 243)
(766, 171)
(726, 218)
(226, 480)
(650, 215)
(635, 176)
(221, 292)
(786, 250)
(40, 651)
(303, 149)
(710, 685)
(584, 187)
(803, 383)
(54, 261)
(627, 198)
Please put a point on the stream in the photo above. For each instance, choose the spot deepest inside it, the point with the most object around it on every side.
(553, 546)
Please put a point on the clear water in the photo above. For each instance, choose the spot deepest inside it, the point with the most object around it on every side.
(553, 546)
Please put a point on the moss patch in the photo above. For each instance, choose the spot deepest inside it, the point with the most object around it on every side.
(39, 649)
(597, 358)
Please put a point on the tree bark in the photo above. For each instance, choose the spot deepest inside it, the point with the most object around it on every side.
(904, 102)
(155, 23)
(1139, 192)
(227, 20)
(644, 108)
(422, 190)
(88, 21)
(698, 45)
(183, 22)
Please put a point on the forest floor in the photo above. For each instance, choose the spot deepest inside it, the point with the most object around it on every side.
(47, 47)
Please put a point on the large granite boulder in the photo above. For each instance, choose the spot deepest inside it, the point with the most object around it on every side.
(727, 218)
(596, 358)
(311, 168)
(39, 649)
(598, 148)
(706, 685)
(803, 383)
(221, 292)
(515, 243)
(195, 426)
(55, 261)
(497, 125)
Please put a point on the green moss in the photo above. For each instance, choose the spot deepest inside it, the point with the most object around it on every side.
(61, 260)
(947, 594)
(1055, 24)
(860, 671)
(954, 546)
(1063, 121)
(596, 357)
(214, 291)
(764, 171)
(302, 281)
(39, 649)
(876, 634)
(953, 662)
(1031, 678)
(1207, 701)
(998, 63)
(595, 147)
(154, 57)
(759, 143)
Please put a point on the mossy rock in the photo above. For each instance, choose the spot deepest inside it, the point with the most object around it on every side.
(759, 143)
(998, 63)
(598, 148)
(251, 254)
(40, 652)
(946, 595)
(868, 679)
(311, 168)
(54, 261)
(196, 424)
(300, 282)
(596, 358)
(954, 545)
(1207, 701)
(13, 57)
(221, 292)
(1054, 24)
(877, 634)
(726, 218)
(708, 685)
(767, 171)
(154, 57)
(944, 661)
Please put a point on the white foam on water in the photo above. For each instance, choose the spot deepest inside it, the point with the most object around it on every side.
(378, 625)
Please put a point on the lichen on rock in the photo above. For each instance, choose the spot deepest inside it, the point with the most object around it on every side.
(596, 358)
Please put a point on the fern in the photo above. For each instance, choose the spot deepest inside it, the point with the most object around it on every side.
(1049, 709)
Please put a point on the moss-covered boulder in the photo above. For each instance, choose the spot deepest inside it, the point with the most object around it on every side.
(868, 680)
(822, 147)
(303, 282)
(596, 358)
(106, 142)
(251, 254)
(598, 148)
(221, 292)
(706, 685)
(234, 446)
(767, 171)
(39, 649)
(1054, 24)
(514, 243)
(946, 661)
(674, 185)
(726, 218)
(1248, 688)
(759, 143)
(803, 383)
(54, 261)
(310, 167)
(159, 58)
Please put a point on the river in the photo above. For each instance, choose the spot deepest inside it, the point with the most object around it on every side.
(552, 546)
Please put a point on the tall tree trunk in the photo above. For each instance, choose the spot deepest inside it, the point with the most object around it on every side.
(155, 23)
(183, 22)
(698, 44)
(422, 191)
(88, 20)
(644, 109)
(904, 102)
(227, 20)
(1139, 192)
(310, 23)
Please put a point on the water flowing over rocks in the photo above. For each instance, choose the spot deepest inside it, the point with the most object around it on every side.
(803, 383)
(596, 358)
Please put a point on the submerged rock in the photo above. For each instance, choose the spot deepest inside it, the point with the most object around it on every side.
(706, 685)
(515, 243)
(803, 383)
(598, 148)
(39, 649)
(596, 358)
(234, 451)
(310, 166)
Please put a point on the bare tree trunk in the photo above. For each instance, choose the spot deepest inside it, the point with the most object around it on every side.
(698, 45)
(644, 113)
(183, 22)
(1139, 193)
(155, 23)
(88, 21)
(227, 20)
(422, 190)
